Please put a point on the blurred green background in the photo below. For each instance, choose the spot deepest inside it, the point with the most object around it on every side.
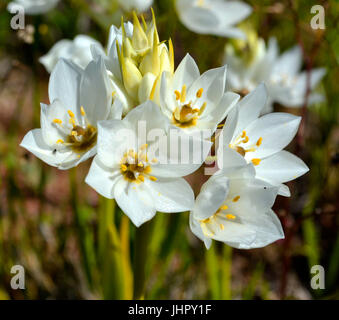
(50, 220)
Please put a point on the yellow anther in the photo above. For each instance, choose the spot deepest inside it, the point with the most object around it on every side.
(153, 178)
(259, 142)
(235, 199)
(60, 141)
(255, 161)
(224, 207)
(243, 135)
(140, 164)
(230, 216)
(245, 139)
(177, 95)
(199, 92)
(141, 178)
(222, 227)
(183, 94)
(202, 109)
(123, 167)
(71, 114)
(82, 110)
(58, 121)
(154, 160)
(72, 121)
(74, 133)
(221, 125)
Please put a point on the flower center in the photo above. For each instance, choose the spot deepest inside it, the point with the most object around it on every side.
(240, 144)
(83, 136)
(185, 114)
(135, 167)
(210, 225)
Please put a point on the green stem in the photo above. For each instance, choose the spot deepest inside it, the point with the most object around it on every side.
(142, 238)
(226, 273)
(213, 272)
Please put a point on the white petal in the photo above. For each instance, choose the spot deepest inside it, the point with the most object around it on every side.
(186, 73)
(211, 196)
(289, 63)
(281, 167)
(276, 130)
(250, 107)
(64, 85)
(34, 142)
(95, 92)
(101, 178)
(171, 195)
(134, 202)
(196, 229)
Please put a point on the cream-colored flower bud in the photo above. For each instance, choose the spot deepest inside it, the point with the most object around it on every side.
(131, 76)
(140, 41)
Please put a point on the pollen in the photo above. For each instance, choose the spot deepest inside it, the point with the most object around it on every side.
(230, 216)
(235, 199)
(177, 95)
(82, 110)
(153, 178)
(183, 94)
(243, 135)
(123, 167)
(199, 92)
(259, 142)
(245, 139)
(71, 114)
(141, 178)
(224, 207)
(58, 121)
(256, 161)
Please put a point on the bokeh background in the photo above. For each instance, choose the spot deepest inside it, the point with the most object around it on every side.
(49, 218)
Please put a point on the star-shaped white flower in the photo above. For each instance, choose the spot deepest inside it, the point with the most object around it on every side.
(215, 17)
(234, 207)
(260, 140)
(195, 102)
(142, 182)
(78, 51)
(79, 99)
(281, 74)
(33, 7)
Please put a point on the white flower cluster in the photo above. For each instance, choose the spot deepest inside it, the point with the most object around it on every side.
(129, 107)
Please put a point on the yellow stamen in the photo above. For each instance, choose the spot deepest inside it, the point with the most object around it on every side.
(230, 216)
(243, 134)
(177, 95)
(72, 121)
(153, 178)
(199, 92)
(224, 207)
(222, 226)
(58, 121)
(246, 139)
(202, 108)
(60, 141)
(71, 114)
(256, 161)
(235, 199)
(123, 167)
(141, 178)
(259, 142)
(140, 164)
(82, 110)
(154, 160)
(183, 94)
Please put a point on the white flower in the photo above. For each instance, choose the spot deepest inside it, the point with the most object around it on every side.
(260, 140)
(234, 207)
(78, 51)
(281, 74)
(79, 99)
(192, 101)
(215, 17)
(33, 6)
(139, 5)
(136, 60)
(128, 171)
